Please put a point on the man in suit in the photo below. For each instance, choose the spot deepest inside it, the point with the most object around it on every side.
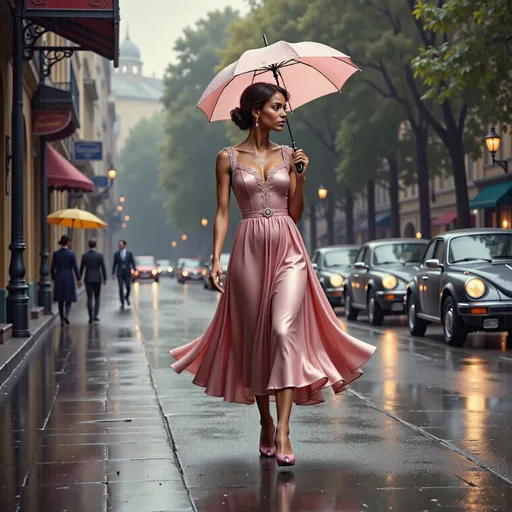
(94, 265)
(124, 262)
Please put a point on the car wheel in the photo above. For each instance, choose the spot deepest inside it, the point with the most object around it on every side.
(350, 312)
(375, 316)
(417, 326)
(454, 330)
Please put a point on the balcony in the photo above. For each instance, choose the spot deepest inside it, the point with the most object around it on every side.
(56, 109)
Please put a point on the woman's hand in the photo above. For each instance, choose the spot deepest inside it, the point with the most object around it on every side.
(216, 277)
(300, 157)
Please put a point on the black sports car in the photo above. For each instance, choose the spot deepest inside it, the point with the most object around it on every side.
(378, 280)
(332, 265)
(465, 283)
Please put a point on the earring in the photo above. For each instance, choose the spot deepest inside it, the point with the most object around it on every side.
(257, 123)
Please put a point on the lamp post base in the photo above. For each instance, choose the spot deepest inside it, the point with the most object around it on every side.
(17, 305)
(44, 296)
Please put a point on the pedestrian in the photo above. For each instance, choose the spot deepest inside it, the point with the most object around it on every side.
(274, 332)
(62, 268)
(124, 263)
(95, 272)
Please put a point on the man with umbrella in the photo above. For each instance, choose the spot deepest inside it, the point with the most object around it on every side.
(124, 263)
(95, 272)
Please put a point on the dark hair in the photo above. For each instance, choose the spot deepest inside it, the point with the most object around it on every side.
(92, 243)
(254, 96)
(123, 242)
(64, 239)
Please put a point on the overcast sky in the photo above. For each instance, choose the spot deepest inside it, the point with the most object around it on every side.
(155, 24)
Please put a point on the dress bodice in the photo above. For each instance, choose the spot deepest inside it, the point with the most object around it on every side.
(256, 196)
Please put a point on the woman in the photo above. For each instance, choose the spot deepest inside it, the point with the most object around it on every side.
(62, 268)
(274, 332)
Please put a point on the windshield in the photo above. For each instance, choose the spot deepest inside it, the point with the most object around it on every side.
(224, 259)
(340, 257)
(398, 253)
(145, 260)
(192, 263)
(480, 247)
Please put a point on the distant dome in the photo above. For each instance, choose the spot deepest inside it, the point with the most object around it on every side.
(129, 50)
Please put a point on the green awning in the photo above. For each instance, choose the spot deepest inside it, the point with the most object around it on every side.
(499, 194)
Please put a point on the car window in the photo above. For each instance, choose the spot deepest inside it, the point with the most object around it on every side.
(366, 258)
(145, 260)
(192, 263)
(429, 253)
(360, 255)
(478, 247)
(314, 258)
(407, 252)
(340, 257)
(439, 253)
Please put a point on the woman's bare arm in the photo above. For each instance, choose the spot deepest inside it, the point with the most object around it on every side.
(221, 224)
(296, 191)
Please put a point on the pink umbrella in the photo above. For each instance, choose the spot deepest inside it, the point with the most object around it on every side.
(306, 70)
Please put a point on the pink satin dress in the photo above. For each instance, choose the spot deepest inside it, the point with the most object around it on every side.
(273, 327)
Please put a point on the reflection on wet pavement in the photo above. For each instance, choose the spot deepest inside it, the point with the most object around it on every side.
(98, 421)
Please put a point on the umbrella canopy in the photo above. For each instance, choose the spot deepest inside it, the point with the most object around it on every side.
(75, 218)
(306, 70)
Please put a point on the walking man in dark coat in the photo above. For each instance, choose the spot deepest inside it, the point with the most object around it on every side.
(62, 268)
(95, 273)
(124, 262)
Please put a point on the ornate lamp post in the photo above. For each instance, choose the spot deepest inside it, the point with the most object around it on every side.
(184, 237)
(126, 218)
(492, 141)
(322, 192)
(111, 173)
(122, 199)
(174, 243)
(204, 222)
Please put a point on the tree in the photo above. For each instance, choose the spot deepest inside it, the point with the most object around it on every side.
(191, 143)
(472, 53)
(146, 231)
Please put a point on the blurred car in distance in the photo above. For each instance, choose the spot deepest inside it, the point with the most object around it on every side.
(224, 261)
(146, 268)
(166, 268)
(190, 269)
(464, 283)
(332, 265)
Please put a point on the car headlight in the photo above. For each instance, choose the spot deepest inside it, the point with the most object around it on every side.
(132, 271)
(389, 281)
(184, 273)
(159, 270)
(203, 272)
(154, 271)
(169, 269)
(337, 280)
(475, 288)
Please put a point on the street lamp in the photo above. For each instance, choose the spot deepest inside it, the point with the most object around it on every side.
(112, 173)
(204, 222)
(174, 243)
(492, 141)
(126, 218)
(184, 237)
(121, 199)
(123, 225)
(119, 208)
(322, 192)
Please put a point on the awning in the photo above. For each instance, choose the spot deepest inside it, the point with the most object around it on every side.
(63, 175)
(91, 24)
(499, 194)
(445, 219)
(382, 220)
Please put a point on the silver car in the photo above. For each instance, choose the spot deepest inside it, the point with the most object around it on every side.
(224, 261)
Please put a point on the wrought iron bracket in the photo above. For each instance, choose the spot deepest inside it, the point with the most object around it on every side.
(8, 160)
(502, 163)
(31, 35)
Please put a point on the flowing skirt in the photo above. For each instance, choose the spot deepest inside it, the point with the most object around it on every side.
(273, 328)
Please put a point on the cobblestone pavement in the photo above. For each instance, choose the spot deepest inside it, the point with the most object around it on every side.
(96, 420)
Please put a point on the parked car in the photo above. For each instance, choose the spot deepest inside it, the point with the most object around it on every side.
(332, 265)
(379, 277)
(465, 283)
(190, 270)
(224, 261)
(166, 268)
(146, 268)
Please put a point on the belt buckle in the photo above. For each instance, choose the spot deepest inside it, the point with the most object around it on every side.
(267, 212)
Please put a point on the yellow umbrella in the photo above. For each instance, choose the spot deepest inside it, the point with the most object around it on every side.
(75, 218)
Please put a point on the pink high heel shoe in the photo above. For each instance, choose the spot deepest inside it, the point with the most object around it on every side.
(284, 459)
(268, 451)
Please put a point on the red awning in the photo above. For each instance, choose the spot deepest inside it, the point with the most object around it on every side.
(63, 175)
(91, 24)
(445, 219)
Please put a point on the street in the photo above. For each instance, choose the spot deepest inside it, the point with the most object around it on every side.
(97, 420)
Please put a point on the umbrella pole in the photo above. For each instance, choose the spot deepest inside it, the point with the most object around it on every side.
(274, 68)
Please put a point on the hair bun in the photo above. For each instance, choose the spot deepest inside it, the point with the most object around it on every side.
(243, 119)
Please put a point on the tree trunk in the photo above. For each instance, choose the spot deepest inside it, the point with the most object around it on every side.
(329, 219)
(349, 216)
(421, 139)
(461, 186)
(393, 197)
(370, 194)
(312, 226)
